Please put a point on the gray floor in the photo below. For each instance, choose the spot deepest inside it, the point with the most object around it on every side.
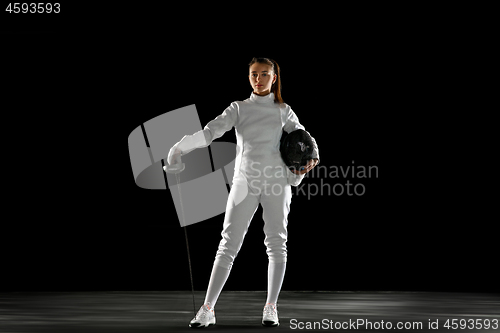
(241, 311)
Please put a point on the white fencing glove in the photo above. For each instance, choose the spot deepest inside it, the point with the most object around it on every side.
(174, 154)
(187, 144)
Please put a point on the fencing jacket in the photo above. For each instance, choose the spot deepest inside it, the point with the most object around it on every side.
(258, 122)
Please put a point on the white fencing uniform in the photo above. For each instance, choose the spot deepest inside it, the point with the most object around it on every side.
(260, 175)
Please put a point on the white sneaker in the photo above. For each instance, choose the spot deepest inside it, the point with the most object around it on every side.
(204, 318)
(270, 315)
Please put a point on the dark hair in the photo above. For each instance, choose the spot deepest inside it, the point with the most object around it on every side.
(276, 87)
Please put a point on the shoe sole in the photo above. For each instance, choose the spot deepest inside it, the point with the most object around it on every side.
(201, 326)
(270, 324)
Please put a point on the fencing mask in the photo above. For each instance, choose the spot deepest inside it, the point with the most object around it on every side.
(296, 149)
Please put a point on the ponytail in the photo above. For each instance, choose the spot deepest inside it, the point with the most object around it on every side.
(276, 87)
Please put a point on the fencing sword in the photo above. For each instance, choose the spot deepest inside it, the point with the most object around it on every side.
(176, 169)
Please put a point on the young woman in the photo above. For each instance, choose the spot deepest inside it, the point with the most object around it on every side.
(260, 177)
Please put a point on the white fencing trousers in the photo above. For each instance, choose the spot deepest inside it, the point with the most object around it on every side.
(275, 197)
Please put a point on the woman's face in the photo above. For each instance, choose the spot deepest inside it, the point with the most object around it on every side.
(261, 78)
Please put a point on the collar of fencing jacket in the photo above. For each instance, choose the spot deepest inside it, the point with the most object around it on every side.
(269, 98)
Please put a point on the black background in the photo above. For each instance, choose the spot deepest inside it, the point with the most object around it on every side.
(379, 88)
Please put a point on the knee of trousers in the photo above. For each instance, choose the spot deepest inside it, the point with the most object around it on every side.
(276, 247)
(227, 252)
(276, 232)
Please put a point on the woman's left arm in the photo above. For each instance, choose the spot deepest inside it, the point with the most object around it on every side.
(292, 123)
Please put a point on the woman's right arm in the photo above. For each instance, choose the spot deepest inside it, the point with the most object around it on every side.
(223, 123)
(213, 130)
